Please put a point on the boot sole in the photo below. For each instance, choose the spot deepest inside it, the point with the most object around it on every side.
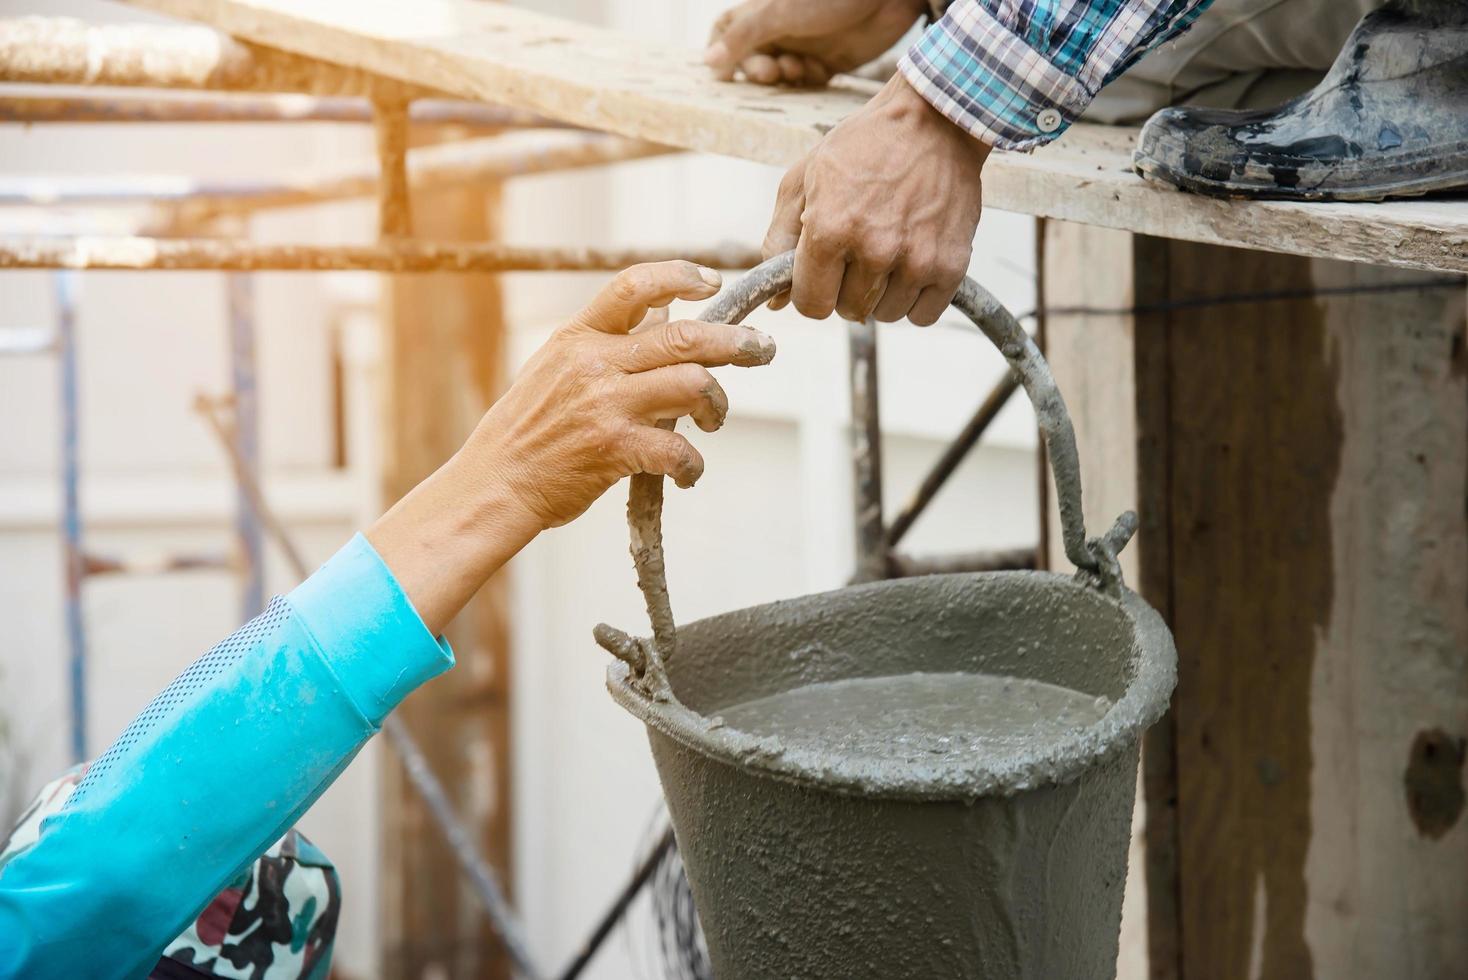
(1448, 175)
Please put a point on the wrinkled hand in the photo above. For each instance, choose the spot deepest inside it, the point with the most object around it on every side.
(583, 413)
(881, 213)
(805, 42)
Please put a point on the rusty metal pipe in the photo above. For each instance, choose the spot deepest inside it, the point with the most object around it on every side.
(149, 107)
(866, 453)
(954, 454)
(65, 51)
(394, 206)
(184, 202)
(132, 253)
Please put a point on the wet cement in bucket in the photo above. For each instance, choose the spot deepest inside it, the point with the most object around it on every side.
(920, 718)
(818, 846)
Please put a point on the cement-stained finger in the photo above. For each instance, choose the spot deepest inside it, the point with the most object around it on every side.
(690, 341)
(624, 301)
(672, 392)
(648, 449)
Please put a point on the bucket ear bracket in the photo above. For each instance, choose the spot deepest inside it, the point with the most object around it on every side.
(1095, 558)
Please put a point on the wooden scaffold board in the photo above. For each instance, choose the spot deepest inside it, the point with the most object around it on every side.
(627, 85)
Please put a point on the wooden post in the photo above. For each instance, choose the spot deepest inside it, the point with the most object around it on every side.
(444, 349)
(1300, 466)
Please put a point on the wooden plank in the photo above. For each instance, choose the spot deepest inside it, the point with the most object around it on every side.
(1300, 468)
(1387, 869)
(571, 71)
(634, 87)
(1151, 346)
(443, 361)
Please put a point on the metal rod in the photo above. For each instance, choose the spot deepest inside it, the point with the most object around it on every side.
(72, 554)
(246, 436)
(394, 207)
(186, 202)
(137, 253)
(866, 453)
(613, 915)
(468, 162)
(482, 879)
(906, 566)
(954, 454)
(66, 51)
(246, 478)
(93, 564)
(148, 107)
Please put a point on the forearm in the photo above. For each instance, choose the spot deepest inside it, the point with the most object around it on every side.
(212, 772)
(452, 532)
(230, 755)
(1015, 75)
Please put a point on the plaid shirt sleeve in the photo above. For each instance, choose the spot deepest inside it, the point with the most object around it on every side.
(1016, 73)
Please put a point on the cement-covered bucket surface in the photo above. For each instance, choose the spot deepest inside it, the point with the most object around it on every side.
(810, 859)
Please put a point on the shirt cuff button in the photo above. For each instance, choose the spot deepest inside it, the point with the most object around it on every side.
(1048, 120)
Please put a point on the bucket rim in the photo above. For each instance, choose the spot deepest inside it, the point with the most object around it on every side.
(1144, 701)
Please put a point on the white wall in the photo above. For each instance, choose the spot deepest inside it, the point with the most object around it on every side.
(770, 519)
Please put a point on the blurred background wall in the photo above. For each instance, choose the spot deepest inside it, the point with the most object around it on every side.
(772, 517)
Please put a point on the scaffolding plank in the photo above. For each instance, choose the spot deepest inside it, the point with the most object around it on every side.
(634, 87)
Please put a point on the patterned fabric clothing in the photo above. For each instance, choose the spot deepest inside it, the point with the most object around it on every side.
(1016, 73)
(213, 772)
(275, 921)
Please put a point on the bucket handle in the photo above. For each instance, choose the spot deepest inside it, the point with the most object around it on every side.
(1094, 558)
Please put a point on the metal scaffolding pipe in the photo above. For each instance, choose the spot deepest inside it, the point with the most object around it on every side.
(954, 454)
(149, 107)
(866, 453)
(184, 202)
(245, 431)
(487, 160)
(394, 206)
(156, 564)
(73, 550)
(131, 253)
(65, 51)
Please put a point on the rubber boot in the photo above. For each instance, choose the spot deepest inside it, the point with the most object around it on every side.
(1390, 119)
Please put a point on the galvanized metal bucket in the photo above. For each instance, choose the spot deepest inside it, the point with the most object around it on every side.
(807, 866)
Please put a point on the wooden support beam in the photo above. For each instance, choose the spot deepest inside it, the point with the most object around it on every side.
(1300, 468)
(66, 51)
(151, 107)
(634, 87)
(444, 352)
(132, 253)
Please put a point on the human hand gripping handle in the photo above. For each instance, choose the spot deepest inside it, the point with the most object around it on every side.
(881, 213)
(582, 414)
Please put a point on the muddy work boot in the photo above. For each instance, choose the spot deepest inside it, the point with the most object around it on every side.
(1390, 119)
